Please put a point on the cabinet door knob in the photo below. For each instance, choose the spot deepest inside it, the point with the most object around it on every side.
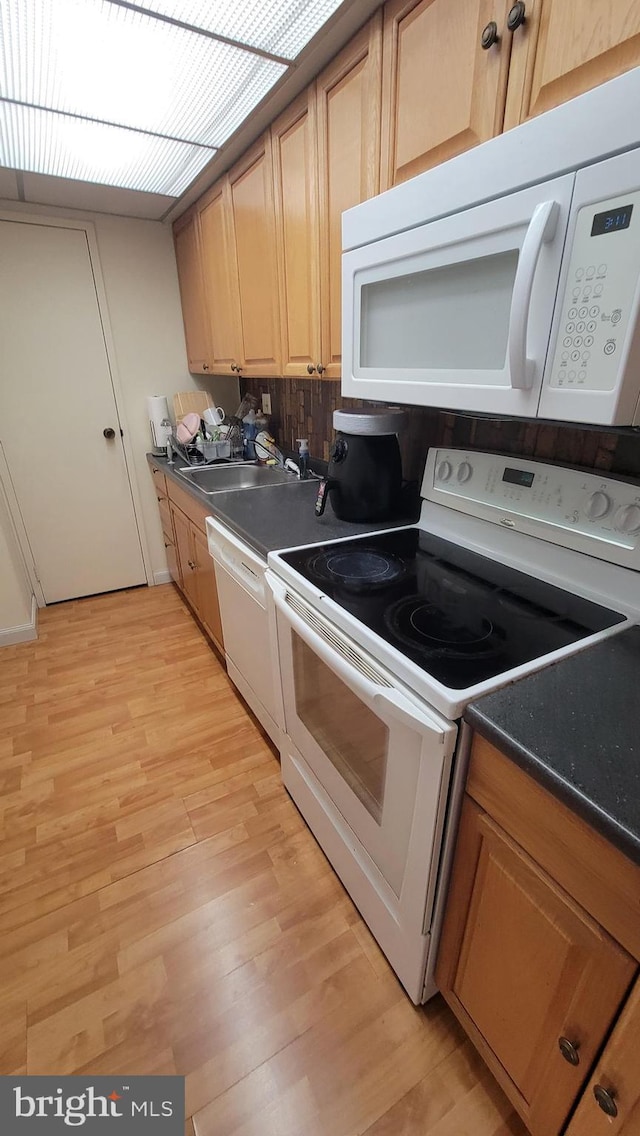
(605, 1100)
(109, 433)
(205, 366)
(516, 16)
(233, 367)
(569, 1051)
(320, 368)
(489, 35)
(191, 565)
(310, 368)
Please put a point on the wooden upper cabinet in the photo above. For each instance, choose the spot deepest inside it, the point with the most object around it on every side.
(564, 49)
(186, 236)
(442, 93)
(295, 172)
(525, 967)
(253, 214)
(348, 115)
(222, 302)
(617, 1075)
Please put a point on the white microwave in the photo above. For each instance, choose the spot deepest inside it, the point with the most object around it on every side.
(507, 280)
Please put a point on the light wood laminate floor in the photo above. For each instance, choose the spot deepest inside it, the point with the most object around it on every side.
(163, 908)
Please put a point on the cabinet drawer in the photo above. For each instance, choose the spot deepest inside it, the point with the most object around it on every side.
(165, 517)
(188, 505)
(159, 479)
(599, 877)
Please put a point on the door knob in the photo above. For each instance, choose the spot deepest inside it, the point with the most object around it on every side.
(109, 432)
(517, 16)
(310, 368)
(605, 1100)
(489, 35)
(569, 1051)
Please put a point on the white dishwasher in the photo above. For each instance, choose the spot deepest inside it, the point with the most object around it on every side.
(248, 625)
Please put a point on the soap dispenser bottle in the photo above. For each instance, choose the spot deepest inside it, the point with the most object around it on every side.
(303, 458)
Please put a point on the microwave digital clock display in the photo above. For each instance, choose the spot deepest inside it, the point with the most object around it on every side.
(611, 221)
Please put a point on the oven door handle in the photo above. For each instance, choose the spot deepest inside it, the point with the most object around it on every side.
(542, 227)
(386, 700)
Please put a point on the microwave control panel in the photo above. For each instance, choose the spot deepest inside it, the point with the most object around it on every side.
(595, 514)
(599, 296)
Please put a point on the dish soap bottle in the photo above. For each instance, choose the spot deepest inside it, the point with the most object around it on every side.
(303, 458)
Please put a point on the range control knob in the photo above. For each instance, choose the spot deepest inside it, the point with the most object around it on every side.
(444, 471)
(598, 505)
(627, 519)
(464, 472)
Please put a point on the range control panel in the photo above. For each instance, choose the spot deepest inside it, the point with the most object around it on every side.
(531, 496)
(601, 285)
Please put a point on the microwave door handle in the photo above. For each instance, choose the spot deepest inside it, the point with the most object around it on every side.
(542, 227)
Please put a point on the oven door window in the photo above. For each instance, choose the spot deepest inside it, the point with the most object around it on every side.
(351, 736)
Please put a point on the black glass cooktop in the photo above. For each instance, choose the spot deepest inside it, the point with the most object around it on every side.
(460, 616)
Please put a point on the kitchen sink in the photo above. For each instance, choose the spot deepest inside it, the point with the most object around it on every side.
(220, 478)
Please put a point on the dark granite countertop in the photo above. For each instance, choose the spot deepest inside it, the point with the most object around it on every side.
(276, 516)
(574, 727)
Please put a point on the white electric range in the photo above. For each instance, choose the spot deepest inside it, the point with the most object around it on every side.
(384, 639)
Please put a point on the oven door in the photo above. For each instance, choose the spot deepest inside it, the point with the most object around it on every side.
(457, 313)
(368, 765)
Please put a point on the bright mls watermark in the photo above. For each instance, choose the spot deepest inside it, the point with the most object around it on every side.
(126, 1106)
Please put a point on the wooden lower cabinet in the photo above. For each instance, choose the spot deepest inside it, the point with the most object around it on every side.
(534, 978)
(615, 1084)
(188, 560)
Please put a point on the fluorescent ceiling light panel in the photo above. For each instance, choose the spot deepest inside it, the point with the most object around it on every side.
(95, 90)
(109, 63)
(276, 26)
(46, 143)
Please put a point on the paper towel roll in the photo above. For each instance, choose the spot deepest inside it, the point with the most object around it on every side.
(158, 411)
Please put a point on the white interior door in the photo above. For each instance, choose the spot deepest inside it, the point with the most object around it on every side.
(56, 399)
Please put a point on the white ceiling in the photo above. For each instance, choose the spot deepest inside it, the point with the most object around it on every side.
(126, 107)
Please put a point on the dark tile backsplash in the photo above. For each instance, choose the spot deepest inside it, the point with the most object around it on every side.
(303, 408)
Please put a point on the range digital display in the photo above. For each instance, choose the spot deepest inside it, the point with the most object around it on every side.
(518, 477)
(611, 221)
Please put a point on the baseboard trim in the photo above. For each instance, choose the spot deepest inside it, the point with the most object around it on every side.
(163, 577)
(24, 632)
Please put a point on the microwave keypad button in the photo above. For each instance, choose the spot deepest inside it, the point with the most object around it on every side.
(616, 316)
(602, 270)
(575, 355)
(561, 377)
(583, 312)
(570, 328)
(597, 291)
(586, 355)
(609, 347)
(444, 471)
(580, 326)
(588, 341)
(592, 325)
(587, 292)
(572, 313)
(582, 376)
(594, 311)
(567, 341)
(591, 271)
(578, 341)
(579, 273)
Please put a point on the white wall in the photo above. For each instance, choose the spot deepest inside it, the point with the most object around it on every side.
(148, 350)
(16, 600)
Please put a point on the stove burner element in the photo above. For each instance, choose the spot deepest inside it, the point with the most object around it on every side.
(420, 624)
(357, 568)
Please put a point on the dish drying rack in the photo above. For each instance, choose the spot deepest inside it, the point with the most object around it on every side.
(201, 453)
